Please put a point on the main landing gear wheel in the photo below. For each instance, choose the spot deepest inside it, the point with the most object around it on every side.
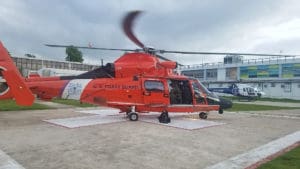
(164, 117)
(203, 115)
(133, 116)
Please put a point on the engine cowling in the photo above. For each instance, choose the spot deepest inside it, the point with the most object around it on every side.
(169, 64)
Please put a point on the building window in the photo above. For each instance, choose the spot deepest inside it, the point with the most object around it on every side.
(211, 74)
(231, 73)
(265, 86)
(273, 84)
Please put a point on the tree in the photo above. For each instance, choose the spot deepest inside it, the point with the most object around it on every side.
(73, 54)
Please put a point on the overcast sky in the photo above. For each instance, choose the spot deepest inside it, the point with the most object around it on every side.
(259, 26)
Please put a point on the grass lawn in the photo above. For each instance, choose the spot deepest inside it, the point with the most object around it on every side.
(289, 160)
(252, 107)
(10, 105)
(279, 100)
(234, 98)
(75, 103)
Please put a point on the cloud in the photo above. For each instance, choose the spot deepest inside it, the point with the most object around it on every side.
(266, 26)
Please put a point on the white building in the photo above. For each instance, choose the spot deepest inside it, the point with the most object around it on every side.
(278, 77)
(50, 67)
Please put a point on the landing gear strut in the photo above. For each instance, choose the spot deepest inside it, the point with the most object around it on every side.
(203, 115)
(164, 117)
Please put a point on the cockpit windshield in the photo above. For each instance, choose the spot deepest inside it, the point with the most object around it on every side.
(199, 88)
(203, 88)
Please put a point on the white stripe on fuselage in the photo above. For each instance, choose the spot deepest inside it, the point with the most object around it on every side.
(74, 89)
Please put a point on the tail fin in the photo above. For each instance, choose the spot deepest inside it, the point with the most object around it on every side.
(12, 81)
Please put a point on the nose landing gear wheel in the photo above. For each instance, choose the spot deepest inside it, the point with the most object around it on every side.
(203, 115)
(133, 116)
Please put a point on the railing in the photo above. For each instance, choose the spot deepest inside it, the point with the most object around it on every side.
(282, 59)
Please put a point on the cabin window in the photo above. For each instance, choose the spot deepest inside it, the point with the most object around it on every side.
(153, 85)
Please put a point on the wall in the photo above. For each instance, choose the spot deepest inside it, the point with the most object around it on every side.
(221, 74)
(290, 90)
(282, 90)
(28, 64)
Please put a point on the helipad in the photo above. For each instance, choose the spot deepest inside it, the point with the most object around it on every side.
(112, 116)
(103, 138)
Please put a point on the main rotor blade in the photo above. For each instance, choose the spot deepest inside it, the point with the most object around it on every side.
(162, 58)
(222, 53)
(128, 23)
(87, 47)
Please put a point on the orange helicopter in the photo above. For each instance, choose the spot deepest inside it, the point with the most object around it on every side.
(137, 82)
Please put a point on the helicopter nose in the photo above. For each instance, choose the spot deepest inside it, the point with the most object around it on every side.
(225, 103)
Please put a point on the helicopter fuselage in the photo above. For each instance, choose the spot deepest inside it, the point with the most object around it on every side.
(145, 93)
(136, 82)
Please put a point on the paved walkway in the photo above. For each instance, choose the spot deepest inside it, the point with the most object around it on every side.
(254, 156)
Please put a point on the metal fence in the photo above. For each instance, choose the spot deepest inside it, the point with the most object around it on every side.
(32, 64)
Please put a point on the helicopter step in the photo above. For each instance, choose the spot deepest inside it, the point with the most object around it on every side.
(164, 117)
(132, 115)
(203, 115)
